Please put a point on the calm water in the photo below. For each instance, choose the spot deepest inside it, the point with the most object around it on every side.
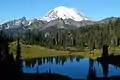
(74, 67)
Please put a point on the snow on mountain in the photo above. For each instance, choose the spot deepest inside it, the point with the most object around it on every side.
(64, 13)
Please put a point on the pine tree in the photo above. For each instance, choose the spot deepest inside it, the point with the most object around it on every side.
(18, 60)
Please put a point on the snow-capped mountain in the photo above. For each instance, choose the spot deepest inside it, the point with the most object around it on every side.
(64, 13)
(59, 17)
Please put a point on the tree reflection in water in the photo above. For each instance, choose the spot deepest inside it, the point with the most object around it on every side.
(92, 72)
(103, 61)
(58, 60)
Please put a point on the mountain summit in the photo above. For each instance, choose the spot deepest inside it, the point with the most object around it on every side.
(64, 13)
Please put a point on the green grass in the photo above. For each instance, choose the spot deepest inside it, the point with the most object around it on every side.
(87, 54)
(36, 51)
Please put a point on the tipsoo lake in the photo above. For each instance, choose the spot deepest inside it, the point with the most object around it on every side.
(75, 67)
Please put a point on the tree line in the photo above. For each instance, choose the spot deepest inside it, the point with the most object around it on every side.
(90, 36)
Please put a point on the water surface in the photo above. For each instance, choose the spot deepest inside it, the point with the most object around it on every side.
(71, 66)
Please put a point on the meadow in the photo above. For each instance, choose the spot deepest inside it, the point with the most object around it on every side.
(37, 51)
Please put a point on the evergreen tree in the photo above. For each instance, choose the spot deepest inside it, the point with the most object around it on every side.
(18, 60)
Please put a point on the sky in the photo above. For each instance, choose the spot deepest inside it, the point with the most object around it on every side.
(94, 9)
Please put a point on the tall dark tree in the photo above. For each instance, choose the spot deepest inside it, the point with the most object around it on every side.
(105, 51)
(18, 60)
(7, 63)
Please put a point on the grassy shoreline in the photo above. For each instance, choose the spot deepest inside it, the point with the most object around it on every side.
(36, 51)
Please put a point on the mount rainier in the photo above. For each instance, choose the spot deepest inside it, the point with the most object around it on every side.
(59, 17)
(64, 13)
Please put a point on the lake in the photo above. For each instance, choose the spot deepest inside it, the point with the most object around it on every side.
(72, 66)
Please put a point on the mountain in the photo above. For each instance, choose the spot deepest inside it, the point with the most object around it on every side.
(58, 18)
(63, 12)
(67, 23)
(17, 23)
(16, 26)
(107, 20)
(65, 17)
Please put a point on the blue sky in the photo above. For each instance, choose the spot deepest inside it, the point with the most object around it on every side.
(95, 9)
